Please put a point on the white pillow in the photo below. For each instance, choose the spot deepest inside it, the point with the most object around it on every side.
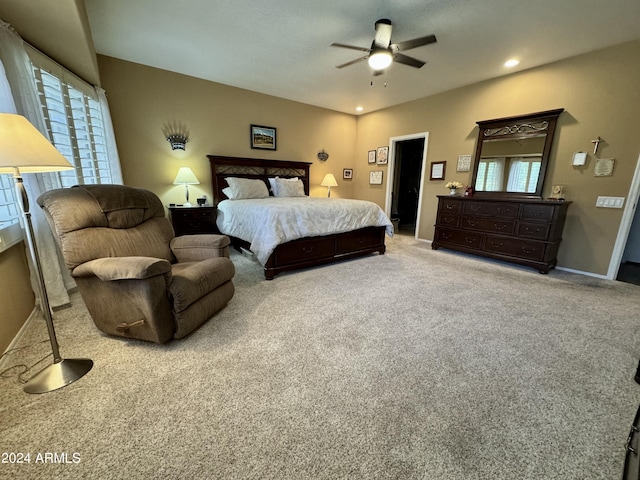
(246, 188)
(289, 187)
(227, 191)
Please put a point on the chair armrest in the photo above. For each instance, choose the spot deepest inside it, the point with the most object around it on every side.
(123, 268)
(194, 248)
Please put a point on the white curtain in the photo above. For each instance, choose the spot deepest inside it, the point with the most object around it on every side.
(20, 77)
(517, 175)
(110, 138)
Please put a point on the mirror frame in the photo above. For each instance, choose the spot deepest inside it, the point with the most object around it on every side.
(521, 126)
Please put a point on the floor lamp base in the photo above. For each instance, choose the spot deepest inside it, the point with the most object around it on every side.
(58, 375)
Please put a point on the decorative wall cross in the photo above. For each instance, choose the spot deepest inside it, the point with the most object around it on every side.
(596, 143)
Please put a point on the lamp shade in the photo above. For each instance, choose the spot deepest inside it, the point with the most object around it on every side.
(23, 147)
(185, 177)
(329, 181)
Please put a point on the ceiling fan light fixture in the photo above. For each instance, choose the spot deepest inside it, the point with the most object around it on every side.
(380, 59)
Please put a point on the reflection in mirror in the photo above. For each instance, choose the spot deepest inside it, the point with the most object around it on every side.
(512, 154)
(510, 165)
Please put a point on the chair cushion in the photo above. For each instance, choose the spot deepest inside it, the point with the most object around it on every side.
(193, 280)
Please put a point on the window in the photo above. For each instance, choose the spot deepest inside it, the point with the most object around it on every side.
(9, 213)
(74, 120)
(490, 174)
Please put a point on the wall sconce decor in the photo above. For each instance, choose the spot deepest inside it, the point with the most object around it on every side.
(186, 177)
(322, 155)
(177, 135)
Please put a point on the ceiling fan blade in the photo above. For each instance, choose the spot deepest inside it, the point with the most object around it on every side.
(416, 42)
(351, 47)
(405, 60)
(352, 62)
(383, 33)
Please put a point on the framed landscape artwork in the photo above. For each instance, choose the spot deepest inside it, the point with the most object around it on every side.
(263, 138)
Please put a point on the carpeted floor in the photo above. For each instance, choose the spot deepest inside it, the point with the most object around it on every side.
(417, 364)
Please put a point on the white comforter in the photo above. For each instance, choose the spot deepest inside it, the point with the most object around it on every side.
(268, 222)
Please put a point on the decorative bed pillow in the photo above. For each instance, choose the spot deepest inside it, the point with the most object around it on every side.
(246, 188)
(289, 187)
(272, 184)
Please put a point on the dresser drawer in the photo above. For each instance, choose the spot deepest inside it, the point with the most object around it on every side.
(459, 237)
(359, 240)
(539, 231)
(502, 210)
(542, 213)
(485, 224)
(449, 205)
(307, 249)
(515, 247)
(448, 219)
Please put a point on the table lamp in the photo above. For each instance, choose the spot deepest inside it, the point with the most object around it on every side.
(329, 181)
(186, 177)
(23, 149)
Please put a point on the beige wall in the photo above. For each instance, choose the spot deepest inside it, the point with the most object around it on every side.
(600, 94)
(143, 100)
(16, 297)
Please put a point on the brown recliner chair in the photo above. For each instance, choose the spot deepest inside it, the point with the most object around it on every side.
(137, 279)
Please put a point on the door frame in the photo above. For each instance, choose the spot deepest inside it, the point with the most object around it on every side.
(625, 224)
(391, 173)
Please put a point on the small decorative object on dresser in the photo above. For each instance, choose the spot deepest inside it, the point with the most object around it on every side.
(453, 187)
(524, 231)
(193, 220)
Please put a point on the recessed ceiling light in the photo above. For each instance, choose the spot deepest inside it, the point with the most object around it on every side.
(511, 63)
(359, 109)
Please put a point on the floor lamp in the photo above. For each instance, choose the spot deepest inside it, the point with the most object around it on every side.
(24, 149)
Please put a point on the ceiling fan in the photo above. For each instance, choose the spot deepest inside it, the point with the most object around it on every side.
(382, 52)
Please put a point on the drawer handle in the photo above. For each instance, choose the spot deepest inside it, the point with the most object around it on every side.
(472, 223)
(449, 220)
(308, 249)
(476, 208)
(499, 226)
(449, 207)
(538, 213)
(497, 244)
(446, 236)
(503, 210)
(531, 230)
(470, 241)
(528, 251)
(361, 240)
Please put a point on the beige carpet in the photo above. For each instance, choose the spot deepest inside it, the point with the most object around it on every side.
(414, 364)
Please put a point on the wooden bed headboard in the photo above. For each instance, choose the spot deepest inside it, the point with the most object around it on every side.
(222, 167)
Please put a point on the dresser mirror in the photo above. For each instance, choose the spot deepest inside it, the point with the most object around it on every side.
(512, 154)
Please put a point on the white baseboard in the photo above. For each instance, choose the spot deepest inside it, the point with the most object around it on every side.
(581, 272)
(34, 313)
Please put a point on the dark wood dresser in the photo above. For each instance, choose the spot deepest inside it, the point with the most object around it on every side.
(193, 220)
(524, 231)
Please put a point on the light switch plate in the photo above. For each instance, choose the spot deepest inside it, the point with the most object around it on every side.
(610, 202)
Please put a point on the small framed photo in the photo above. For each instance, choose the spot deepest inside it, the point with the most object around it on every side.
(579, 159)
(464, 163)
(604, 167)
(347, 173)
(437, 170)
(263, 138)
(382, 155)
(375, 177)
(372, 156)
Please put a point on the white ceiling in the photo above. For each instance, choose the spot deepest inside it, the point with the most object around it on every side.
(282, 47)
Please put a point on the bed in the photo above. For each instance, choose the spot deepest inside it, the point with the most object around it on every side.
(303, 251)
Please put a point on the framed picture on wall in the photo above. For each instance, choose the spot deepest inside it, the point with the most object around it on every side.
(382, 155)
(375, 177)
(437, 170)
(263, 138)
(372, 156)
(347, 173)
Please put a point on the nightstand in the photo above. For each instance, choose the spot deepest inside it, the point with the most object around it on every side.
(193, 220)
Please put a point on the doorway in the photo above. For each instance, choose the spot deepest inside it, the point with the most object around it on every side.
(404, 183)
(625, 259)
